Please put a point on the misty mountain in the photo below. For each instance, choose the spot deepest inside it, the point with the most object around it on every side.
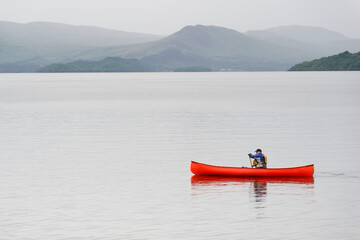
(312, 35)
(318, 39)
(209, 46)
(36, 44)
(211, 42)
(217, 48)
(200, 46)
(226, 49)
(46, 33)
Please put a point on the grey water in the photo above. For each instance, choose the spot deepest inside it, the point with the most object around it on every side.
(107, 155)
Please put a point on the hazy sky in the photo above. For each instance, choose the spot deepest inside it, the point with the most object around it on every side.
(167, 16)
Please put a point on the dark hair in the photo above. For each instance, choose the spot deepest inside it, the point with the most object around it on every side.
(258, 150)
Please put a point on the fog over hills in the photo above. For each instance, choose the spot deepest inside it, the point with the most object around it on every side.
(299, 33)
(46, 33)
(226, 49)
(316, 38)
(33, 45)
(208, 46)
(26, 47)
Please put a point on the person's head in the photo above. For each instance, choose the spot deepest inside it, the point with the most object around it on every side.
(258, 151)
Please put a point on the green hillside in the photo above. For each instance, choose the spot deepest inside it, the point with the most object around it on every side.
(110, 64)
(345, 61)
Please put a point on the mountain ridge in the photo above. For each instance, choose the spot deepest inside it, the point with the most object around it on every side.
(212, 47)
(35, 33)
(322, 40)
(207, 46)
(302, 33)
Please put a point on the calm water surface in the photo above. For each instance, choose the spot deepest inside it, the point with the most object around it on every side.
(107, 156)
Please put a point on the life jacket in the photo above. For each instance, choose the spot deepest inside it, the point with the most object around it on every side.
(259, 163)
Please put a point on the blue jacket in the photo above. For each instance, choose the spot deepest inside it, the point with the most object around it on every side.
(259, 157)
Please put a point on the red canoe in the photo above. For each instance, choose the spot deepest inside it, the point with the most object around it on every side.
(205, 169)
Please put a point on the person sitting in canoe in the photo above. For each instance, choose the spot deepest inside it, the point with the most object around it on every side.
(260, 160)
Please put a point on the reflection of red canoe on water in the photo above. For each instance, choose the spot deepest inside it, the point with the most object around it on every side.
(204, 169)
(225, 180)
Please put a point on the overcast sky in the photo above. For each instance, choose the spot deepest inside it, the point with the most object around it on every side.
(168, 16)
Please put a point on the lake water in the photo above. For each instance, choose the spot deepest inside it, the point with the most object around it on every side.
(107, 156)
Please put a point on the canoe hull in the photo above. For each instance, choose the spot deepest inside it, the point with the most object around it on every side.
(205, 169)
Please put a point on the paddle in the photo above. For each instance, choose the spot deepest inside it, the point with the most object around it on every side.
(250, 162)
